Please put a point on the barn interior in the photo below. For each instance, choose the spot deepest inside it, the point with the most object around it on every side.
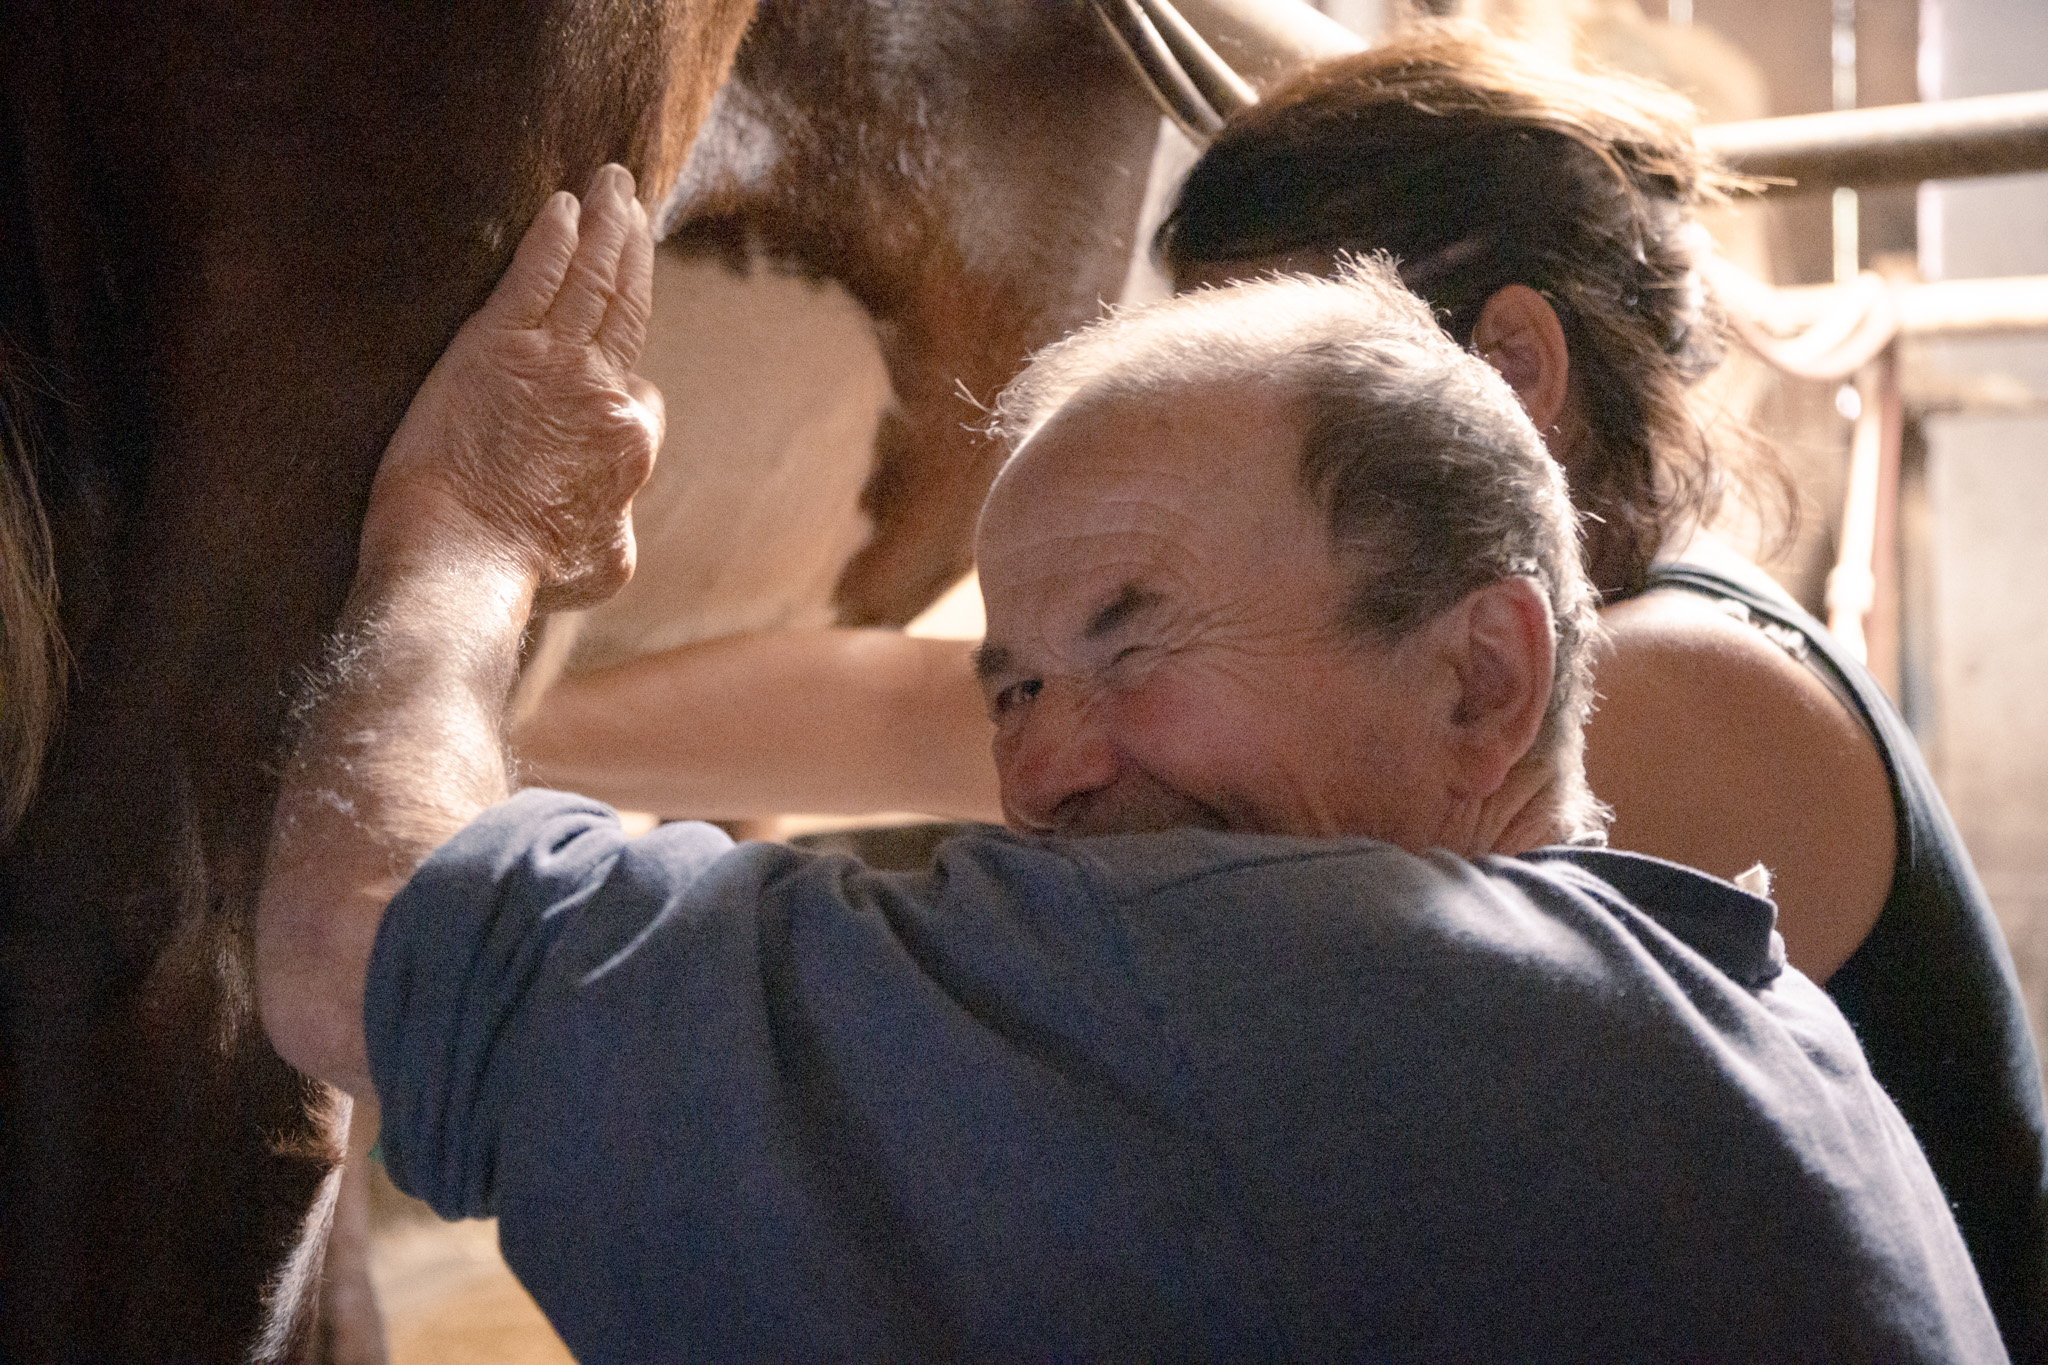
(1915, 441)
(876, 245)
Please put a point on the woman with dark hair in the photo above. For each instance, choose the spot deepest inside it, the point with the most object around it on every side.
(1547, 215)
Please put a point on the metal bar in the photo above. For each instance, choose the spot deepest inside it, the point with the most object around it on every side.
(1158, 70)
(1263, 39)
(1895, 144)
(1226, 91)
(1943, 308)
(1266, 40)
(1881, 622)
(1854, 585)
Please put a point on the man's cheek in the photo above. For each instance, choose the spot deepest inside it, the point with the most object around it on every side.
(1187, 724)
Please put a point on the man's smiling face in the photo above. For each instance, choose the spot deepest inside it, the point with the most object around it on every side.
(1164, 641)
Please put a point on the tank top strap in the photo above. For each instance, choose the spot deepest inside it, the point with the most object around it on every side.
(1800, 635)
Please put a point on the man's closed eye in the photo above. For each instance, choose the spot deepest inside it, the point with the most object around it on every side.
(1016, 694)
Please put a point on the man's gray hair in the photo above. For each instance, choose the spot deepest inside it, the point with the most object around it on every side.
(1434, 481)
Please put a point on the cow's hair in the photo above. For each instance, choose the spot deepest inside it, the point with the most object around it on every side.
(32, 654)
(1433, 480)
(1479, 162)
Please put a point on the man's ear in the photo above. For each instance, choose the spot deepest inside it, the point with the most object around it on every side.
(1519, 335)
(1502, 652)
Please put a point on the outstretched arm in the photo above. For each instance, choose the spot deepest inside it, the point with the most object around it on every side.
(838, 721)
(507, 486)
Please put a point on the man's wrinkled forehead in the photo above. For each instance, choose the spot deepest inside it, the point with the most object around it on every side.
(1107, 449)
(1084, 516)
(1189, 490)
(1066, 478)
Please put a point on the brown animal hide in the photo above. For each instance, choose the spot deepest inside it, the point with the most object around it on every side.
(233, 239)
(948, 184)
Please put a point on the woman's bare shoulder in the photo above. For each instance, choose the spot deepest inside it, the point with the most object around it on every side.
(1676, 651)
(1718, 748)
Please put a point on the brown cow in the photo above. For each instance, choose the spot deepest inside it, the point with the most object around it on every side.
(860, 253)
(235, 237)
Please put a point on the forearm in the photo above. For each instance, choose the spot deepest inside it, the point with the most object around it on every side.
(400, 748)
(815, 721)
(510, 477)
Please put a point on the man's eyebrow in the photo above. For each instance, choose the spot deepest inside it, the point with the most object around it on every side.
(1132, 600)
(989, 660)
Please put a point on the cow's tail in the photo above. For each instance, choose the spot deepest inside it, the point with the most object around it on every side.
(32, 654)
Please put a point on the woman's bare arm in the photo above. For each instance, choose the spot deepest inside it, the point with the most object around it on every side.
(830, 722)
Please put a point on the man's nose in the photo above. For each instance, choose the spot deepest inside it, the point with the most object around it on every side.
(1059, 753)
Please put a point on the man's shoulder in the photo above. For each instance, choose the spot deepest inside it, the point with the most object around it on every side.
(1525, 907)
(1179, 881)
(1731, 928)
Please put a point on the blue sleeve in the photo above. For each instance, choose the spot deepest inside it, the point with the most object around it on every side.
(457, 957)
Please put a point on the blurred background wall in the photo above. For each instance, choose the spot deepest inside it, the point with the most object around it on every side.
(1984, 403)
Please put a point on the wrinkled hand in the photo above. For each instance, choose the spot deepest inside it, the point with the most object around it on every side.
(531, 435)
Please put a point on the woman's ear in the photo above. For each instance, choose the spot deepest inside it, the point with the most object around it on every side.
(1503, 650)
(1519, 335)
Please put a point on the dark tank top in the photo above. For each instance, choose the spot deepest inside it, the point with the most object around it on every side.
(1934, 999)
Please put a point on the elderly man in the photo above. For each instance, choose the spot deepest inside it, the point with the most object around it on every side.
(1289, 1023)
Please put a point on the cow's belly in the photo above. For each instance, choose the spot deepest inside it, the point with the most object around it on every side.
(774, 387)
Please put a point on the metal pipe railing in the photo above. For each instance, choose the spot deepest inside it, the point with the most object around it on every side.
(1890, 145)
(1829, 331)
(1180, 97)
(1266, 40)
(1893, 144)
(1191, 54)
(1940, 308)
